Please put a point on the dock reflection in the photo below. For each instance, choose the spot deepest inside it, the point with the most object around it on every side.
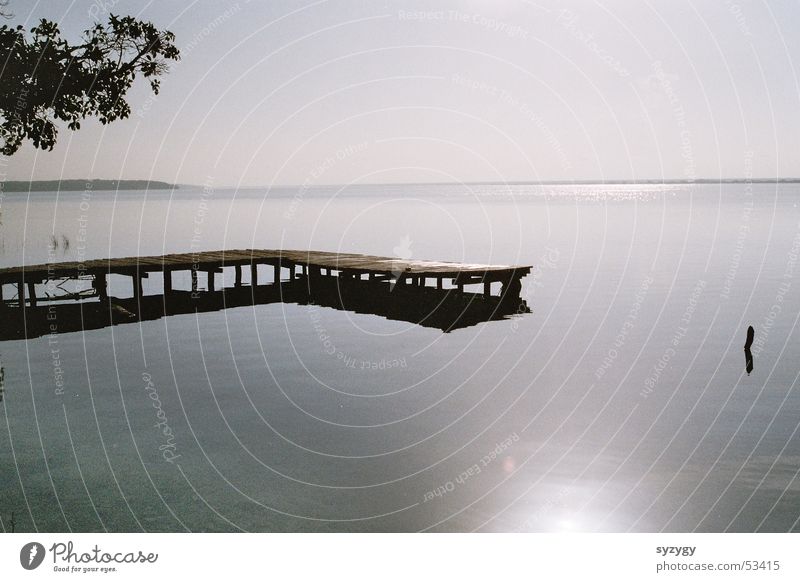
(443, 309)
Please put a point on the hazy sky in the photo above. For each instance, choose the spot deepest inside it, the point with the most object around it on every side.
(274, 92)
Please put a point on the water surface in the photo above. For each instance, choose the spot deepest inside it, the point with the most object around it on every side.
(620, 403)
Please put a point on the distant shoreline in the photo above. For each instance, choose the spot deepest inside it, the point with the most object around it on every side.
(83, 185)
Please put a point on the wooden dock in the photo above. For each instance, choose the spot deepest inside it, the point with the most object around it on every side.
(26, 282)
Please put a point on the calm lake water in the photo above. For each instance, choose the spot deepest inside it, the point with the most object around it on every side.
(620, 403)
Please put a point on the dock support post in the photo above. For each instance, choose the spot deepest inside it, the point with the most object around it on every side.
(254, 274)
(100, 286)
(512, 288)
(167, 281)
(137, 286)
(439, 284)
(21, 292)
(210, 281)
(238, 270)
(31, 294)
(194, 281)
(276, 273)
(487, 289)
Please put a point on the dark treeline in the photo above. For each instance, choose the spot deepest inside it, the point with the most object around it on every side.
(83, 185)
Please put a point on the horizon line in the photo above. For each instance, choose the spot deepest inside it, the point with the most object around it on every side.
(562, 182)
(581, 182)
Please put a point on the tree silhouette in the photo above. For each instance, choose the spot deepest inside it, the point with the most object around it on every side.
(44, 79)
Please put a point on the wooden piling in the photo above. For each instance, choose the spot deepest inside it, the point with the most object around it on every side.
(137, 286)
(100, 286)
(167, 281)
(31, 294)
